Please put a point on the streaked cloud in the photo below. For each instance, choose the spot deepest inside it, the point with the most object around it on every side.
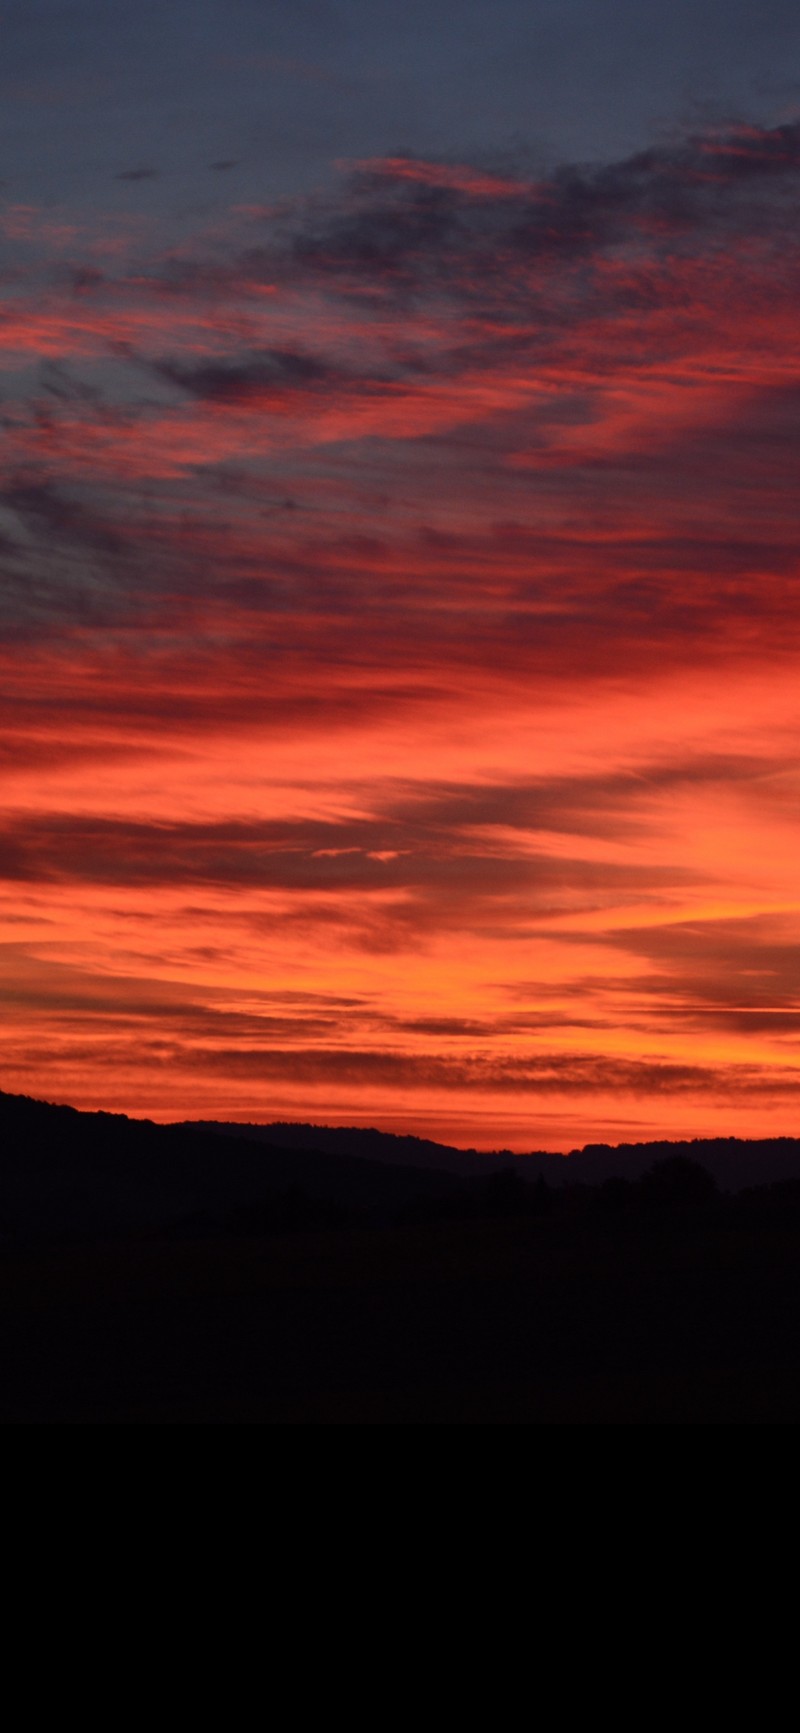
(400, 652)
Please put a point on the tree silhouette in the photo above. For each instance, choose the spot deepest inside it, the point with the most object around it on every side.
(677, 1182)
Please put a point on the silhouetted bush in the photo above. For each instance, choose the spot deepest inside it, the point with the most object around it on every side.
(677, 1183)
(506, 1194)
(541, 1197)
(616, 1194)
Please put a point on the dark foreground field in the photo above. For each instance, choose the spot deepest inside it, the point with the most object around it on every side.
(488, 1321)
(149, 1276)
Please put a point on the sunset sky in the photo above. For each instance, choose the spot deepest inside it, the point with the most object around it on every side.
(399, 629)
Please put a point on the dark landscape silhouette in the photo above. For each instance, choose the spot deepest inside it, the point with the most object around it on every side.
(735, 1162)
(181, 1274)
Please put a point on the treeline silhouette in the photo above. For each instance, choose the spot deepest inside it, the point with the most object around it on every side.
(167, 1274)
(734, 1162)
(67, 1174)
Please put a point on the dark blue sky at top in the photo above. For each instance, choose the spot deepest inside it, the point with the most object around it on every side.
(92, 89)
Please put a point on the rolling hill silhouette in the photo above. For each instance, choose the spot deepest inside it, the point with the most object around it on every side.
(170, 1273)
(734, 1162)
(64, 1172)
(382, 1146)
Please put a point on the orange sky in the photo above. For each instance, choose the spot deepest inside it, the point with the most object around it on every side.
(399, 693)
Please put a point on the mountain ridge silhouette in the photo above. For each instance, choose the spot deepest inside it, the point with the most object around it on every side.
(66, 1171)
(159, 1274)
(735, 1163)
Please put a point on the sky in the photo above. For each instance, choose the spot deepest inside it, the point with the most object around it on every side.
(399, 643)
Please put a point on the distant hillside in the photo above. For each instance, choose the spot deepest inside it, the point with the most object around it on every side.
(380, 1146)
(734, 1162)
(156, 1274)
(75, 1173)
(69, 1173)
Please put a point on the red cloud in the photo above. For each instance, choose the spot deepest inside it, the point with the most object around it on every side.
(401, 611)
(454, 177)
